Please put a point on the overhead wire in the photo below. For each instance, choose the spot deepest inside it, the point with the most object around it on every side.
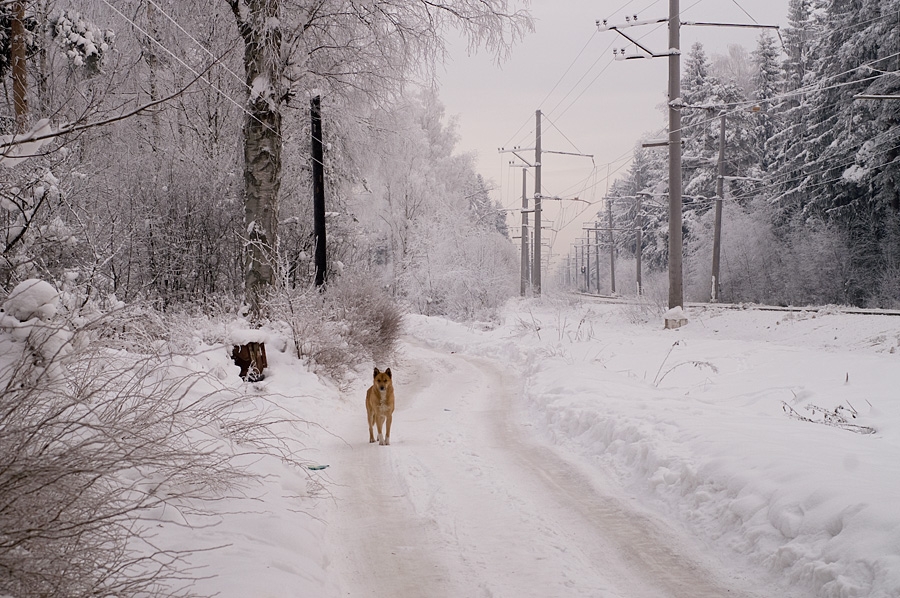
(185, 65)
(576, 84)
(566, 72)
(891, 15)
(583, 91)
(588, 86)
(813, 88)
(572, 89)
(519, 130)
(588, 206)
(240, 79)
(553, 111)
(569, 68)
(606, 66)
(749, 16)
(552, 124)
(571, 64)
(774, 184)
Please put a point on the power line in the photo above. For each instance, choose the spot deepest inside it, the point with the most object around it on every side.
(522, 126)
(739, 106)
(553, 124)
(549, 93)
(588, 86)
(749, 16)
(594, 80)
(589, 205)
(193, 39)
(187, 66)
(774, 184)
(575, 85)
(586, 73)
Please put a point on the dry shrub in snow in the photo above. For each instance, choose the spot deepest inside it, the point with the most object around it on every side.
(652, 303)
(103, 446)
(353, 321)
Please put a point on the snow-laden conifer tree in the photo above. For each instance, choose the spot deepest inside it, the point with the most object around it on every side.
(767, 83)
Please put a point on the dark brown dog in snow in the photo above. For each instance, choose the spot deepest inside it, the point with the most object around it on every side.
(380, 405)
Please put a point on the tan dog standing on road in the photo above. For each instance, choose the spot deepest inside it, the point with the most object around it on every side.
(380, 405)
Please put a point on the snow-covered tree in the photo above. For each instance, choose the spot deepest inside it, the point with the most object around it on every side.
(736, 65)
(799, 37)
(640, 198)
(428, 228)
(699, 125)
(767, 83)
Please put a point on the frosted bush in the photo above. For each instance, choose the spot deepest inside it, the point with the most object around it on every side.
(352, 322)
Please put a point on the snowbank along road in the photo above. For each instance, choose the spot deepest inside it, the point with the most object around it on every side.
(465, 503)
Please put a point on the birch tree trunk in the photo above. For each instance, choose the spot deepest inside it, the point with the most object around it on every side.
(258, 22)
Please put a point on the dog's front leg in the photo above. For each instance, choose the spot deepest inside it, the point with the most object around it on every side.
(371, 419)
(379, 419)
(387, 428)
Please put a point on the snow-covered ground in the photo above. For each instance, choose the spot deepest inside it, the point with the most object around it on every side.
(578, 449)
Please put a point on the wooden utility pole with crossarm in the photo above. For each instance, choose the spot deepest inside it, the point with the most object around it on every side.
(673, 53)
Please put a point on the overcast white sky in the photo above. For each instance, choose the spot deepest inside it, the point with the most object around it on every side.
(591, 103)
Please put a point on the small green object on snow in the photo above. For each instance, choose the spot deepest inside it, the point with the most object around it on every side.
(316, 467)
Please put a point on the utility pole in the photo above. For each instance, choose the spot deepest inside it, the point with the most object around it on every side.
(597, 248)
(720, 195)
(577, 271)
(639, 240)
(612, 249)
(612, 256)
(587, 264)
(318, 172)
(583, 254)
(524, 269)
(536, 263)
(676, 281)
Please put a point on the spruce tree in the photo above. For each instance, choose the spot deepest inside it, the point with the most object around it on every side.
(767, 82)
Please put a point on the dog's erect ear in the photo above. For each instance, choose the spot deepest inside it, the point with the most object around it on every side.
(376, 373)
(388, 372)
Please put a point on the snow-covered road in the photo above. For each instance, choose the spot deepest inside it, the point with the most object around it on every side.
(569, 449)
(467, 503)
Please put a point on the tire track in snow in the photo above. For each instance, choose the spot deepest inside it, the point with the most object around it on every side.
(462, 504)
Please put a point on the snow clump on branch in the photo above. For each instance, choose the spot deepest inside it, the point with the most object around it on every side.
(84, 43)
